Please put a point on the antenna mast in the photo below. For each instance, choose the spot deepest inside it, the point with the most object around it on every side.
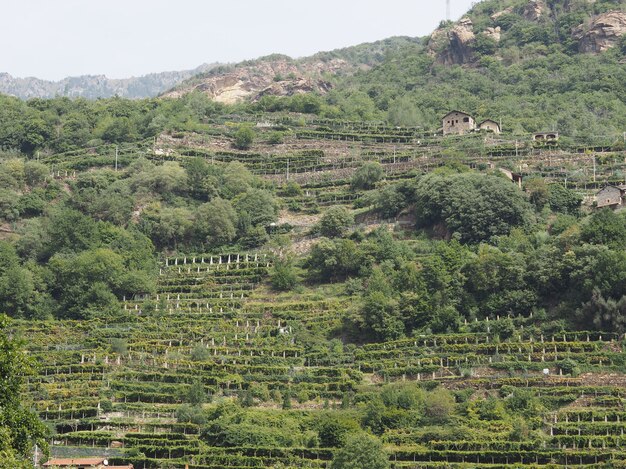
(448, 15)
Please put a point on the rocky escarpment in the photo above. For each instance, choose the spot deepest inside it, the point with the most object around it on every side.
(603, 33)
(464, 42)
(454, 45)
(280, 77)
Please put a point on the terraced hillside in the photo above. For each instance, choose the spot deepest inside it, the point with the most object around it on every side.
(497, 353)
(123, 387)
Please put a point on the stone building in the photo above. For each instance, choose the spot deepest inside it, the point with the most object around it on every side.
(458, 123)
(611, 196)
(546, 137)
(490, 125)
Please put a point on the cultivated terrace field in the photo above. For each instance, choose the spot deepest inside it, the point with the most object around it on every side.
(325, 290)
(325, 279)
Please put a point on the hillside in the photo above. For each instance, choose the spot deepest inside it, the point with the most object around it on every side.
(96, 86)
(534, 67)
(275, 75)
(279, 75)
(209, 300)
(324, 279)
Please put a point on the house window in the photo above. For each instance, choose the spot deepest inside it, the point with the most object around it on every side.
(466, 119)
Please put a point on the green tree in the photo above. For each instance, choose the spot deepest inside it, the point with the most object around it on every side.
(335, 222)
(472, 206)
(564, 200)
(201, 181)
(606, 314)
(439, 406)
(215, 222)
(283, 276)
(244, 137)
(361, 452)
(605, 227)
(332, 259)
(35, 173)
(196, 394)
(168, 226)
(333, 429)
(367, 175)
(258, 206)
(20, 429)
(538, 192)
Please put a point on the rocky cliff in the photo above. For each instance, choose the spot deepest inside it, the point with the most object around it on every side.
(523, 22)
(453, 45)
(278, 77)
(603, 33)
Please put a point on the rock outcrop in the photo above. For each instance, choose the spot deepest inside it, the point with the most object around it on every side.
(294, 86)
(453, 46)
(282, 77)
(534, 10)
(603, 32)
(493, 33)
(506, 11)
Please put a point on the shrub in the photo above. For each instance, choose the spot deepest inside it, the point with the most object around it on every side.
(361, 451)
(283, 276)
(335, 222)
(119, 346)
(367, 176)
(244, 137)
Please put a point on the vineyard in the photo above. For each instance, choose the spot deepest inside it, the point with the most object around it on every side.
(132, 387)
(116, 388)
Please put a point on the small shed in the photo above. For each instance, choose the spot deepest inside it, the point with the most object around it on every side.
(611, 196)
(546, 137)
(458, 123)
(490, 125)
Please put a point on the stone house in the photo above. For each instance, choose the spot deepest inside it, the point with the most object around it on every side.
(545, 137)
(611, 196)
(458, 123)
(490, 125)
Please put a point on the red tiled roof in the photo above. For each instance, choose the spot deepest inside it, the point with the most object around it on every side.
(74, 462)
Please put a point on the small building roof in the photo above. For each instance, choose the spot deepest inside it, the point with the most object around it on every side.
(621, 187)
(458, 112)
(489, 120)
(75, 462)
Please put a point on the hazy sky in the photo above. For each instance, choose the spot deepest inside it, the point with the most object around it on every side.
(53, 39)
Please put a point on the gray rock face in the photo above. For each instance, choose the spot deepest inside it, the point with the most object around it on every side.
(493, 33)
(603, 32)
(453, 46)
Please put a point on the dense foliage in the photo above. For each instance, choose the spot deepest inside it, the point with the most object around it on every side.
(20, 429)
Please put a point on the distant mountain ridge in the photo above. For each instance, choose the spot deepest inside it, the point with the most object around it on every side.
(275, 74)
(97, 86)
